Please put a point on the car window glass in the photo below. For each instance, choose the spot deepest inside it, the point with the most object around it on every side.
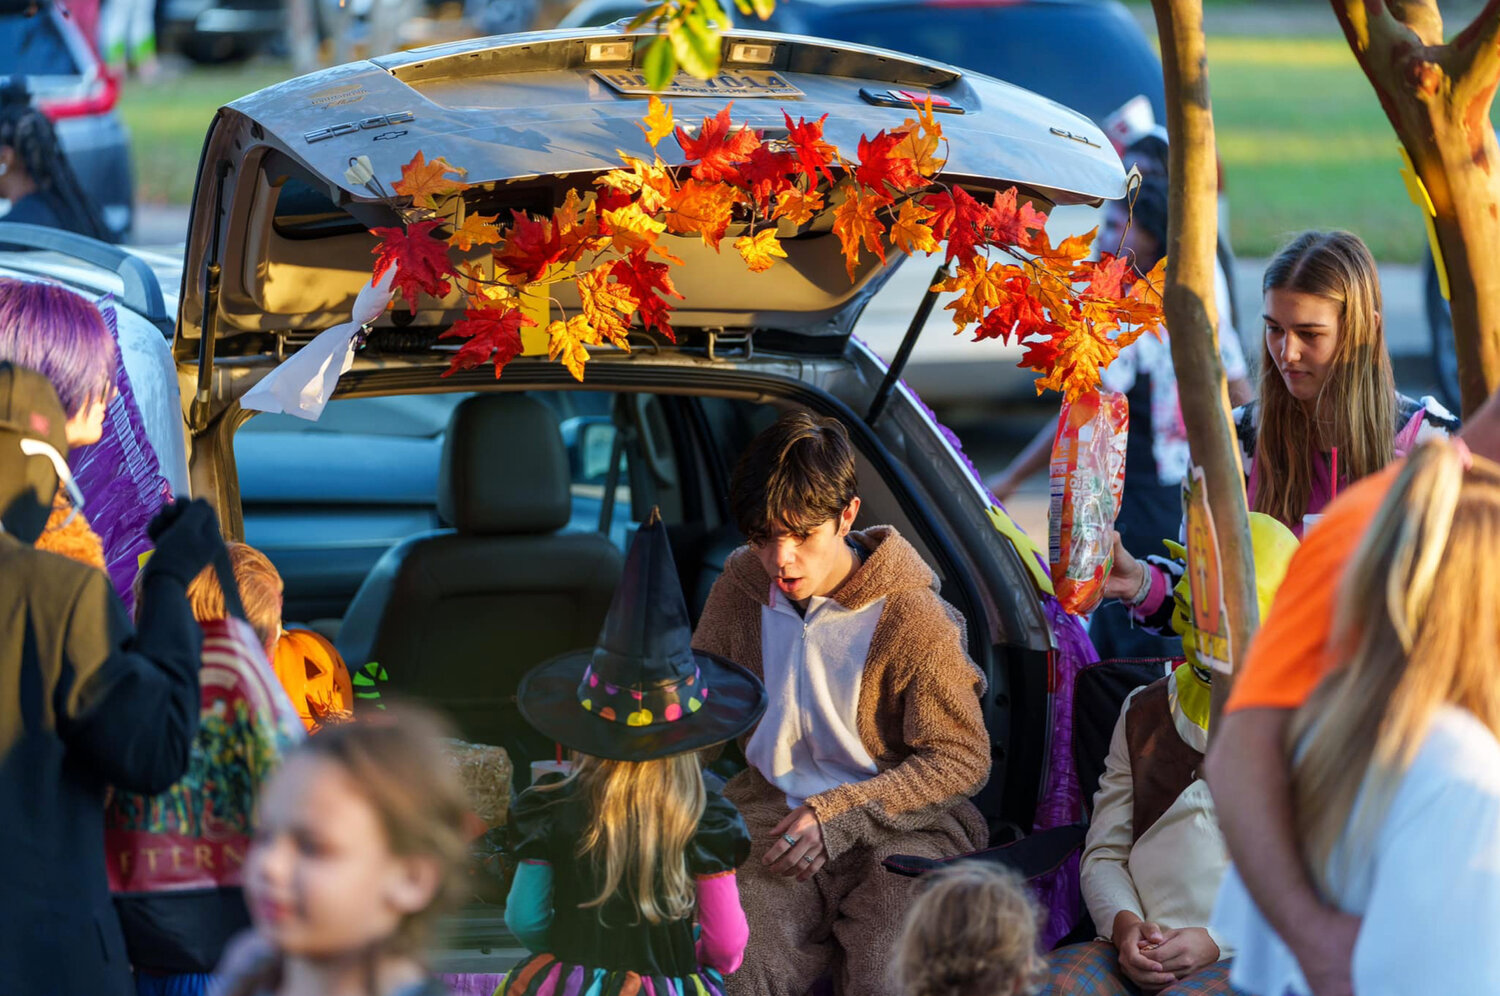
(32, 46)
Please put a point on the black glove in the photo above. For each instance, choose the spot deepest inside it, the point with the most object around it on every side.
(186, 534)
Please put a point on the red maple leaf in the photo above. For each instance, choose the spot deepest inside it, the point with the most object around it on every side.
(813, 154)
(718, 150)
(493, 334)
(955, 219)
(1042, 354)
(645, 278)
(879, 165)
(1003, 223)
(1017, 316)
(1109, 276)
(530, 248)
(421, 260)
(767, 174)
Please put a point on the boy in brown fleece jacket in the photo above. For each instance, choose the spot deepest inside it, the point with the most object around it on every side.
(873, 739)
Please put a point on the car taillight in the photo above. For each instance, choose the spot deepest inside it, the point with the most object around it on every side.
(98, 97)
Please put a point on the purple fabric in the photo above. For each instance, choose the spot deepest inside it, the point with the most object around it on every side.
(472, 984)
(121, 480)
(1060, 800)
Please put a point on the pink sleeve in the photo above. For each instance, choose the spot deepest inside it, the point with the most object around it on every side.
(721, 944)
(1155, 596)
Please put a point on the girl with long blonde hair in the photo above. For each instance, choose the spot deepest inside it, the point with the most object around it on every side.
(1396, 756)
(621, 856)
(1327, 412)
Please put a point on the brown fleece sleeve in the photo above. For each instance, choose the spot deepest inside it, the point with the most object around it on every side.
(936, 693)
(714, 634)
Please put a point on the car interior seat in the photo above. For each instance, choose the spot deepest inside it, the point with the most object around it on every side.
(456, 616)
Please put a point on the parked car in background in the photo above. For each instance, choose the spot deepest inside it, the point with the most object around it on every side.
(214, 31)
(598, 13)
(71, 86)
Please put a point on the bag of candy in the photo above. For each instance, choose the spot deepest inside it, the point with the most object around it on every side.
(1088, 476)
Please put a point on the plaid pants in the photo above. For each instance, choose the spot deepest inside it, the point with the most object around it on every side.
(1093, 969)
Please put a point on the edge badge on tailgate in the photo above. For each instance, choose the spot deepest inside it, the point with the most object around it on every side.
(739, 83)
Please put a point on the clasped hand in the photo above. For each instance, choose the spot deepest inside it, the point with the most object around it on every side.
(802, 859)
(1154, 958)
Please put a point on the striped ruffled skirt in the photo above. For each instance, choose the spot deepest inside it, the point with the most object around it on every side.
(544, 975)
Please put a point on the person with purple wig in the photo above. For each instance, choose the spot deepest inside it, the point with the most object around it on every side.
(61, 335)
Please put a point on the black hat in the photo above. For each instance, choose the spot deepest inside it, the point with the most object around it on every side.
(643, 692)
(29, 412)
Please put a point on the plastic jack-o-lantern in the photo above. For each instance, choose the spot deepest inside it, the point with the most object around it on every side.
(315, 678)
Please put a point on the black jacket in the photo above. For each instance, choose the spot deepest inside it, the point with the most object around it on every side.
(85, 702)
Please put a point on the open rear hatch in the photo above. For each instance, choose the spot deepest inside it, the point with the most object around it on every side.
(286, 236)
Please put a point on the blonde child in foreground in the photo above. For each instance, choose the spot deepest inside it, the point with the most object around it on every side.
(971, 932)
(1396, 756)
(620, 858)
(359, 846)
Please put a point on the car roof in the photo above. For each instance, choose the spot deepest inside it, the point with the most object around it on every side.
(532, 115)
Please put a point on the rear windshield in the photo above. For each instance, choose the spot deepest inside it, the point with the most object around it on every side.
(33, 46)
(1091, 58)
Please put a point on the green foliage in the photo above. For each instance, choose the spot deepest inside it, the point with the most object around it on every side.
(688, 36)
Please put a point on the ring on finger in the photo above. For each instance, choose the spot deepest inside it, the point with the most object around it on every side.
(807, 857)
(789, 839)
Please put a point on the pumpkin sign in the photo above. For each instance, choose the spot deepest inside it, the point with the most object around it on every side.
(315, 678)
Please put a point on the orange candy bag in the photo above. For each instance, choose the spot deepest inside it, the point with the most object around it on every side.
(1088, 476)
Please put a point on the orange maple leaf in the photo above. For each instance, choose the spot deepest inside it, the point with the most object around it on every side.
(577, 227)
(702, 207)
(607, 306)
(568, 340)
(483, 291)
(923, 138)
(1067, 253)
(477, 230)
(424, 181)
(981, 286)
(854, 222)
(796, 206)
(1079, 351)
(630, 228)
(658, 122)
(910, 232)
(718, 147)
(761, 250)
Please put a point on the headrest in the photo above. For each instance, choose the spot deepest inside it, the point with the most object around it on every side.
(505, 468)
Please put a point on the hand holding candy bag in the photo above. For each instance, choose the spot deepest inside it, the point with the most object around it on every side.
(1088, 476)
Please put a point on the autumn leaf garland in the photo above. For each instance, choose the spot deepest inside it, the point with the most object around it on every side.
(1072, 313)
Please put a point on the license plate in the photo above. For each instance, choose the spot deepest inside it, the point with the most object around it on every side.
(740, 83)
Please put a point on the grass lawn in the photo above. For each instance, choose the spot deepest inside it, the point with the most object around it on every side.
(1305, 144)
(1303, 140)
(168, 120)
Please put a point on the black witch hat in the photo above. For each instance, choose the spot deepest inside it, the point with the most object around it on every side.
(643, 692)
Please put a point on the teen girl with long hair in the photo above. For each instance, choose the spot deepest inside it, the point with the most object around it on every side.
(35, 176)
(1396, 761)
(621, 856)
(1326, 404)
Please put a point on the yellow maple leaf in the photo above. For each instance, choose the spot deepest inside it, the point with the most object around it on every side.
(630, 228)
(658, 122)
(606, 305)
(1082, 353)
(483, 292)
(854, 222)
(424, 181)
(578, 227)
(477, 230)
(650, 181)
(910, 232)
(704, 208)
(761, 250)
(797, 206)
(568, 340)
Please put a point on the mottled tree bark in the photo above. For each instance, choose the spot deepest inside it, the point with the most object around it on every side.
(1188, 301)
(1438, 99)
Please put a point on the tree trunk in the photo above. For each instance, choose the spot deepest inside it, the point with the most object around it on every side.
(1438, 99)
(1188, 302)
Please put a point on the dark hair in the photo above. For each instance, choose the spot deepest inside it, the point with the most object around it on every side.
(26, 129)
(795, 476)
(1148, 204)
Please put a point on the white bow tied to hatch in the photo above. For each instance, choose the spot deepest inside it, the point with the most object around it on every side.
(303, 383)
